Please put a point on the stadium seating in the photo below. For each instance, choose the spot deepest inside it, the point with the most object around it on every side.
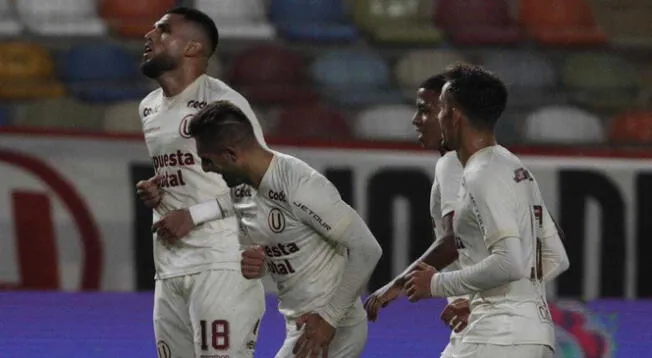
(9, 25)
(632, 127)
(312, 121)
(270, 74)
(417, 65)
(238, 19)
(601, 81)
(315, 20)
(122, 117)
(61, 17)
(101, 73)
(354, 78)
(626, 22)
(397, 21)
(530, 76)
(477, 22)
(27, 72)
(59, 113)
(560, 22)
(386, 122)
(130, 18)
(563, 125)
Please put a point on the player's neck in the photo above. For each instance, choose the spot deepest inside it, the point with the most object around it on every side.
(174, 82)
(259, 161)
(471, 144)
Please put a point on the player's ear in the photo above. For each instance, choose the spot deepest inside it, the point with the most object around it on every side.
(232, 154)
(194, 48)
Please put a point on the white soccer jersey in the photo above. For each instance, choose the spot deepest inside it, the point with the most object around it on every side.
(445, 187)
(165, 124)
(443, 199)
(292, 215)
(499, 199)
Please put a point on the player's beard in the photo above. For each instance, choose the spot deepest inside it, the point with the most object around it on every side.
(157, 66)
(232, 180)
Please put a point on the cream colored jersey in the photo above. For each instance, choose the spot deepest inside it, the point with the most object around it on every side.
(500, 198)
(443, 199)
(165, 124)
(293, 215)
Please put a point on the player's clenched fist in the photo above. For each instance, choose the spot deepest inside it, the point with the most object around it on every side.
(456, 314)
(148, 191)
(253, 262)
(417, 286)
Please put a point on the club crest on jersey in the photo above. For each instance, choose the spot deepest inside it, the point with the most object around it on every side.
(184, 126)
(521, 174)
(276, 220)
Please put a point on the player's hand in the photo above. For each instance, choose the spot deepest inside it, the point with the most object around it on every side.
(456, 314)
(148, 191)
(417, 286)
(174, 225)
(253, 262)
(381, 298)
(316, 337)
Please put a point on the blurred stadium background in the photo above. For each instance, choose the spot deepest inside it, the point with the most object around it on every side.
(332, 82)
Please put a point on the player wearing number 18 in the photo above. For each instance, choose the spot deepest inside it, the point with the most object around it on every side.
(502, 226)
(316, 248)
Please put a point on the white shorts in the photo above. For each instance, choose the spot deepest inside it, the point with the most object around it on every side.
(348, 342)
(210, 314)
(474, 350)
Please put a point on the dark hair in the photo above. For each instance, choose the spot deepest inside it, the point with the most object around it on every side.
(481, 95)
(205, 23)
(221, 124)
(434, 83)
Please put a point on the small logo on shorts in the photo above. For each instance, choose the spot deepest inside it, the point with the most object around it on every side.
(163, 350)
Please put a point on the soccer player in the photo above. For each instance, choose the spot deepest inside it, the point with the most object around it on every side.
(502, 226)
(316, 248)
(443, 196)
(203, 306)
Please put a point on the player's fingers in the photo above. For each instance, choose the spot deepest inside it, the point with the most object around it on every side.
(324, 352)
(253, 261)
(422, 266)
(254, 254)
(156, 179)
(460, 326)
(301, 347)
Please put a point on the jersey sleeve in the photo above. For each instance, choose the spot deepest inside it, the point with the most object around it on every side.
(494, 207)
(449, 175)
(317, 203)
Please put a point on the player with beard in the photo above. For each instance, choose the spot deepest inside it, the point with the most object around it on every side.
(315, 247)
(203, 306)
(443, 197)
(509, 246)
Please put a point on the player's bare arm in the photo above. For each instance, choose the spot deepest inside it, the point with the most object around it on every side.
(439, 255)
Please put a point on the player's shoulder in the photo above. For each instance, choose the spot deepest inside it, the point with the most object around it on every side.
(448, 165)
(492, 169)
(292, 166)
(153, 98)
(220, 90)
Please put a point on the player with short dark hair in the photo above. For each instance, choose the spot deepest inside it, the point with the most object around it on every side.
(508, 244)
(443, 197)
(316, 248)
(203, 306)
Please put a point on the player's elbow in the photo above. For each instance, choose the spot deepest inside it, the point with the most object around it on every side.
(375, 252)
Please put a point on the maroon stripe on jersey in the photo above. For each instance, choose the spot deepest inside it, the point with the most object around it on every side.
(36, 243)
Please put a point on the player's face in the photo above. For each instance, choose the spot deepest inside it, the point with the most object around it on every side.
(425, 119)
(448, 120)
(164, 46)
(223, 162)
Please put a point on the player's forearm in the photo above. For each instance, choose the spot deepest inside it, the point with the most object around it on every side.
(214, 209)
(502, 266)
(554, 258)
(440, 254)
(363, 255)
